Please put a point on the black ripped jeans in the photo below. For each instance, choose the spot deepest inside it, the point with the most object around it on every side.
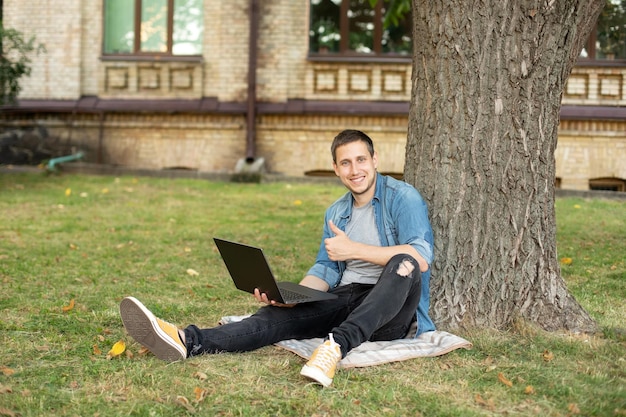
(383, 311)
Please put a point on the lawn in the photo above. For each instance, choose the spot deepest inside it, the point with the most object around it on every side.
(71, 246)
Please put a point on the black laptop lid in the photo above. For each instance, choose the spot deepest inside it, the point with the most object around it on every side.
(248, 268)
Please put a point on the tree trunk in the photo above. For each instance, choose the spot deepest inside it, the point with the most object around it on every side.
(488, 77)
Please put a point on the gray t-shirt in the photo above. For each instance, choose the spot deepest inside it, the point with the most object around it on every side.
(362, 228)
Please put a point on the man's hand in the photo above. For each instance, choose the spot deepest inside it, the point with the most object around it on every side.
(308, 281)
(341, 248)
(262, 298)
(337, 247)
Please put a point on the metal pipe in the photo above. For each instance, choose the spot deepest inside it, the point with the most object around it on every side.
(252, 66)
(100, 137)
(61, 159)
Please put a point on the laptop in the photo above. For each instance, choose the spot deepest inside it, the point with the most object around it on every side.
(249, 269)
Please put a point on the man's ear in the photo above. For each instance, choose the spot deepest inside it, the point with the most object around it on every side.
(375, 159)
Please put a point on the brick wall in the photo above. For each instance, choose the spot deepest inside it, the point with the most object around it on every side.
(596, 86)
(588, 150)
(150, 141)
(57, 72)
(290, 145)
(296, 145)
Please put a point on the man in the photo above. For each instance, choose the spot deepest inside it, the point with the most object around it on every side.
(375, 253)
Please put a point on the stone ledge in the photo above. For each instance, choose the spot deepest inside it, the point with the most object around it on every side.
(102, 169)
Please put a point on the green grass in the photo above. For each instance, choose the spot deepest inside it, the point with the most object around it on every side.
(112, 237)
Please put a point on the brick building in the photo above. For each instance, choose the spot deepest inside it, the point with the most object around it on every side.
(203, 84)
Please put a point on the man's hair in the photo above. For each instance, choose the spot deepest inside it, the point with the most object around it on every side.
(349, 136)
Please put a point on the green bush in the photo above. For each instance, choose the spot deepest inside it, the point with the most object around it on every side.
(15, 62)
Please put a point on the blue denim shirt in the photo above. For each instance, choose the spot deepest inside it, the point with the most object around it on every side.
(401, 218)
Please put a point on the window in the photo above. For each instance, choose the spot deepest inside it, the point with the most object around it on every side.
(354, 27)
(607, 184)
(608, 41)
(154, 27)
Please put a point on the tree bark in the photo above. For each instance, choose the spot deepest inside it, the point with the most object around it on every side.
(488, 77)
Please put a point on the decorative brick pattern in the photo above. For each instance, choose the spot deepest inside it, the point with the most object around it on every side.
(596, 86)
(181, 78)
(326, 81)
(577, 86)
(359, 81)
(116, 78)
(610, 86)
(149, 78)
(590, 149)
(348, 81)
(394, 82)
(140, 80)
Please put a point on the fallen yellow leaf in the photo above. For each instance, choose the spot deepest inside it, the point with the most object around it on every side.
(297, 203)
(181, 400)
(117, 349)
(529, 390)
(68, 192)
(192, 272)
(200, 375)
(547, 355)
(505, 381)
(489, 404)
(566, 261)
(7, 371)
(96, 350)
(201, 393)
(8, 413)
(68, 307)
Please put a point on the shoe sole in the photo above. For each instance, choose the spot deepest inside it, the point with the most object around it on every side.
(142, 326)
(316, 374)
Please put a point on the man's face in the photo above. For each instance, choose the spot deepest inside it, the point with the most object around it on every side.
(357, 169)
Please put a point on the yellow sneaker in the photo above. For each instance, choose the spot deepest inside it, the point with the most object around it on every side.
(159, 336)
(323, 363)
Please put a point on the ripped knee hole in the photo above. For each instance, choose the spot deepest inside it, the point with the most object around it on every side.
(405, 268)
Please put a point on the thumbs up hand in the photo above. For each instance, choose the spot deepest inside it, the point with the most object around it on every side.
(333, 228)
(337, 247)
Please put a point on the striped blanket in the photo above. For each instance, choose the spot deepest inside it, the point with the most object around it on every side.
(427, 344)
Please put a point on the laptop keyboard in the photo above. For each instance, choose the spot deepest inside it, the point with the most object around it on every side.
(292, 296)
